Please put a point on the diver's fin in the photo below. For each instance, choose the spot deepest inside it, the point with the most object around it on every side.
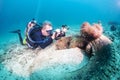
(19, 35)
(16, 31)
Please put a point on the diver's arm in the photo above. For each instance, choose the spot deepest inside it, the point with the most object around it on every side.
(45, 42)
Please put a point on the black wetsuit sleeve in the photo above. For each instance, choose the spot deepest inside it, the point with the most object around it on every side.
(44, 43)
(41, 40)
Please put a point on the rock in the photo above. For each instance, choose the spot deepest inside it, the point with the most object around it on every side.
(49, 59)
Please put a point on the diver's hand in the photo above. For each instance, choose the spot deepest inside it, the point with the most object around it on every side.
(53, 36)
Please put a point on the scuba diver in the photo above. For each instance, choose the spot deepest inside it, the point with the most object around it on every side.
(36, 35)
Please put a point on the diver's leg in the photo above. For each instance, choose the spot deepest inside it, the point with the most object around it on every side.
(20, 38)
(19, 34)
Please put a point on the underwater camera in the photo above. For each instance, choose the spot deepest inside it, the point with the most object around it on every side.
(64, 28)
(61, 32)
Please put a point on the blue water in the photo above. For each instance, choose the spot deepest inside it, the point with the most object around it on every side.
(58, 12)
(15, 14)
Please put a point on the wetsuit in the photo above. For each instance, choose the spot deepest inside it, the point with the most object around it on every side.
(35, 38)
(38, 39)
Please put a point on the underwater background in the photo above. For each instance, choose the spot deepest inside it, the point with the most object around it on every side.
(15, 14)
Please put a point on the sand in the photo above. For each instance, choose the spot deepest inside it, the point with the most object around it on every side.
(22, 61)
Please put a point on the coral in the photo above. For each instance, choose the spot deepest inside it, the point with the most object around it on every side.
(92, 38)
(97, 44)
(91, 32)
(68, 42)
(63, 43)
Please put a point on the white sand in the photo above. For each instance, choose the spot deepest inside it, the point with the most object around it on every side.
(23, 62)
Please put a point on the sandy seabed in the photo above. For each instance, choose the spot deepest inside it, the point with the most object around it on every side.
(22, 61)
